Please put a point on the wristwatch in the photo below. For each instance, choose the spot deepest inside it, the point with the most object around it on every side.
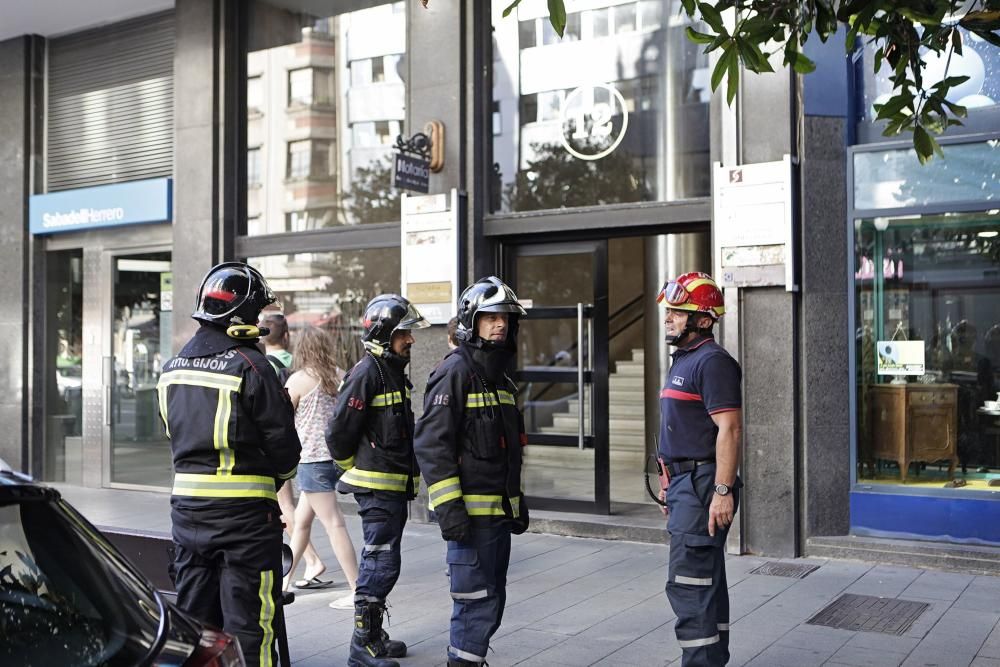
(722, 489)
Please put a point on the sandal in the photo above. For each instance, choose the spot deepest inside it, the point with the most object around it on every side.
(314, 583)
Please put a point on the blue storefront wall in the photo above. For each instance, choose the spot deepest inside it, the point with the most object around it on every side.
(133, 203)
(949, 518)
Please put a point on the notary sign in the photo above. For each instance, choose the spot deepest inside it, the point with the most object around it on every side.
(412, 173)
(900, 357)
(429, 262)
(133, 203)
(752, 224)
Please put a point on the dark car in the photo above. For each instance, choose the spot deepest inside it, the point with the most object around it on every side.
(68, 597)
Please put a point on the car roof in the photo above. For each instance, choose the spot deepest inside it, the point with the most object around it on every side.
(15, 483)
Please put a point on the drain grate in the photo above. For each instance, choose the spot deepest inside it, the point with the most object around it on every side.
(775, 569)
(869, 614)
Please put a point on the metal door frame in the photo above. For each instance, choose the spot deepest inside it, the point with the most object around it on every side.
(107, 286)
(599, 373)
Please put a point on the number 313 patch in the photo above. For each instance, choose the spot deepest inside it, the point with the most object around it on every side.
(441, 399)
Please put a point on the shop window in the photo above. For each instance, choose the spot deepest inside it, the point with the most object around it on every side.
(497, 119)
(609, 114)
(330, 290)
(378, 70)
(927, 311)
(310, 86)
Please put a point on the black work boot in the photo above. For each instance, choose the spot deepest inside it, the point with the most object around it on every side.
(366, 643)
(459, 663)
(391, 648)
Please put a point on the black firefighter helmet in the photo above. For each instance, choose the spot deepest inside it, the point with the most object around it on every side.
(486, 295)
(232, 293)
(385, 315)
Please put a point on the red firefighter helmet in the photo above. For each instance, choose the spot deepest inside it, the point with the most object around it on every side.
(694, 291)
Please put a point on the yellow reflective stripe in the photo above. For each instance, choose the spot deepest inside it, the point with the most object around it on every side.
(266, 616)
(290, 474)
(224, 486)
(201, 379)
(370, 479)
(479, 505)
(488, 399)
(162, 394)
(227, 458)
(345, 464)
(443, 491)
(390, 398)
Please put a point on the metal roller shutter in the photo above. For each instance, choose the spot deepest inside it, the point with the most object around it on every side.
(111, 104)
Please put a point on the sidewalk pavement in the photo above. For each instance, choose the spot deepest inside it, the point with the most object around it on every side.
(575, 601)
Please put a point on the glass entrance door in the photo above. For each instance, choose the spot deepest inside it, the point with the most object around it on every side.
(142, 304)
(562, 372)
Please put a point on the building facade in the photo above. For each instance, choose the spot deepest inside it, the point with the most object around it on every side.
(589, 170)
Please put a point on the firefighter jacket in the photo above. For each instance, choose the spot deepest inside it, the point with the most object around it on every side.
(469, 441)
(231, 425)
(370, 435)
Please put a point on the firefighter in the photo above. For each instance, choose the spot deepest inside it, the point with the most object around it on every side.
(700, 432)
(232, 436)
(371, 438)
(468, 443)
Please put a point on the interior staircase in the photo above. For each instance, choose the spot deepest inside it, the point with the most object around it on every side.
(568, 471)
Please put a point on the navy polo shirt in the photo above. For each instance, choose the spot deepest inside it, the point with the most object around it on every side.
(703, 380)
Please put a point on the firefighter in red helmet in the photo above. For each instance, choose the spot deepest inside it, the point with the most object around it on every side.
(700, 432)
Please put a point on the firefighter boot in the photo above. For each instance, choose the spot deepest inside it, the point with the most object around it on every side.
(459, 663)
(391, 648)
(366, 643)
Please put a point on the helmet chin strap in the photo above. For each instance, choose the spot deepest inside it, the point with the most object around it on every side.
(375, 348)
(689, 327)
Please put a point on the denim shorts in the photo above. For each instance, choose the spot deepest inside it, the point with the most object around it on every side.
(318, 477)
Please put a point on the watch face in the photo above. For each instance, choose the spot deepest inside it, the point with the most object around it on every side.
(721, 489)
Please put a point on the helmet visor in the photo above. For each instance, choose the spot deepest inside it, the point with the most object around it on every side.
(673, 293)
(224, 290)
(412, 320)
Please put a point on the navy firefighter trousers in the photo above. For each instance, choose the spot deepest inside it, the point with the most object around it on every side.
(478, 572)
(696, 584)
(383, 517)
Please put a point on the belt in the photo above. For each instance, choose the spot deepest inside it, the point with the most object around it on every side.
(681, 467)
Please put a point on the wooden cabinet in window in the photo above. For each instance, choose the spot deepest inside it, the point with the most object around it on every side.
(915, 423)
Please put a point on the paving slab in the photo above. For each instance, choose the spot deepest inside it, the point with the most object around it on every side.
(584, 601)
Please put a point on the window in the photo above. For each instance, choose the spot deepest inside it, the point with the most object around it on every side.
(600, 22)
(927, 295)
(255, 95)
(526, 34)
(330, 116)
(600, 111)
(310, 158)
(310, 86)
(330, 290)
(497, 119)
(315, 218)
(624, 18)
(253, 167)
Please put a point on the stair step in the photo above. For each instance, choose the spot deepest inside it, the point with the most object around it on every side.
(563, 423)
(629, 369)
(633, 409)
(627, 383)
(616, 441)
(639, 356)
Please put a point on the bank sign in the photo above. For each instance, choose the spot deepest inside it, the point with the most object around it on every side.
(134, 203)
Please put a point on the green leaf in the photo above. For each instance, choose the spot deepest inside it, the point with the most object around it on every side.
(720, 67)
(956, 41)
(986, 20)
(893, 105)
(733, 79)
(510, 8)
(799, 62)
(956, 109)
(924, 144)
(698, 37)
(711, 16)
(989, 36)
(557, 16)
(689, 7)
